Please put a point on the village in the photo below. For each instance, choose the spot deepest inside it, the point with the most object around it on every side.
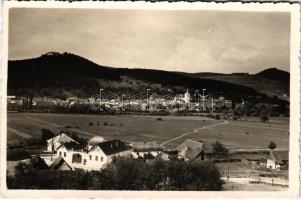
(67, 151)
(63, 153)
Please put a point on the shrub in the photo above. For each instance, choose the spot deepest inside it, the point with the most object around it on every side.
(272, 145)
(159, 119)
(264, 118)
(105, 123)
(219, 148)
(124, 174)
(90, 124)
(46, 134)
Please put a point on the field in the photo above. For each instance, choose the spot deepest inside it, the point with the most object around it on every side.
(171, 130)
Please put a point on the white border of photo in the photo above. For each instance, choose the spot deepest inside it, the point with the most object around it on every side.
(294, 164)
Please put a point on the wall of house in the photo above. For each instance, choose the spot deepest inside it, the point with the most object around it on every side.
(271, 164)
(92, 160)
(52, 146)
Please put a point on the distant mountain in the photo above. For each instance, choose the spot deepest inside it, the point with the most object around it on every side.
(272, 81)
(63, 75)
(274, 74)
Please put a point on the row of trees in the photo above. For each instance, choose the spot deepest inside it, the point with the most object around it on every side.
(124, 174)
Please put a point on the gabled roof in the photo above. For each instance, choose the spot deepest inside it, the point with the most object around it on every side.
(62, 137)
(190, 149)
(278, 155)
(58, 162)
(191, 154)
(38, 163)
(112, 147)
(72, 146)
(192, 144)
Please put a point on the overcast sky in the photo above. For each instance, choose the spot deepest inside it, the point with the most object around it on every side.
(189, 41)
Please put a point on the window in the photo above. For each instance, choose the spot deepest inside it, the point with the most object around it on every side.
(96, 158)
(90, 157)
(101, 158)
(60, 153)
(85, 161)
(64, 154)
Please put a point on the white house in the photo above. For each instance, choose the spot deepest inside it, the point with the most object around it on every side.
(277, 159)
(55, 142)
(78, 156)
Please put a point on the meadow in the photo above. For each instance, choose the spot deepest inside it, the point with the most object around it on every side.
(233, 134)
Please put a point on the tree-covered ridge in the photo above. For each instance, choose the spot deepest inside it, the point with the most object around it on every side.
(56, 73)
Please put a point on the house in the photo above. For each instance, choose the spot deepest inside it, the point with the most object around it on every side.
(146, 149)
(55, 142)
(82, 157)
(191, 150)
(277, 159)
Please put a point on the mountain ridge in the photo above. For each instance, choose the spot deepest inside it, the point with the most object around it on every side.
(65, 71)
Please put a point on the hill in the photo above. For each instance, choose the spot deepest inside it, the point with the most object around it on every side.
(63, 75)
(272, 81)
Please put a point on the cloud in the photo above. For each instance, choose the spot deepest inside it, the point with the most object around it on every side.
(192, 41)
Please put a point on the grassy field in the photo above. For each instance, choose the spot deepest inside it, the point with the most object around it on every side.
(234, 134)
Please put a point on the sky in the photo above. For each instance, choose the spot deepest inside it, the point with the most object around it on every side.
(187, 41)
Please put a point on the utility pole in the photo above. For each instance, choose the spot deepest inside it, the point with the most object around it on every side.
(122, 96)
(147, 91)
(100, 90)
(228, 176)
(203, 97)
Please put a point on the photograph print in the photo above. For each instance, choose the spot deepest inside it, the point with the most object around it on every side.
(132, 99)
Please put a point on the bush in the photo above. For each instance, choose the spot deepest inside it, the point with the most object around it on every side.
(219, 149)
(90, 124)
(159, 119)
(264, 118)
(272, 145)
(124, 174)
(46, 134)
(105, 123)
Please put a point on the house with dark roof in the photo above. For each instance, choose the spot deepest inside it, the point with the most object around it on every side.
(278, 159)
(191, 150)
(78, 156)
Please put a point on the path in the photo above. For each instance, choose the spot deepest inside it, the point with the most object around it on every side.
(195, 131)
(19, 133)
(60, 126)
(255, 150)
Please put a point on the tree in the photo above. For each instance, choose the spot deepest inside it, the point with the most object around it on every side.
(219, 148)
(264, 118)
(46, 134)
(272, 145)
